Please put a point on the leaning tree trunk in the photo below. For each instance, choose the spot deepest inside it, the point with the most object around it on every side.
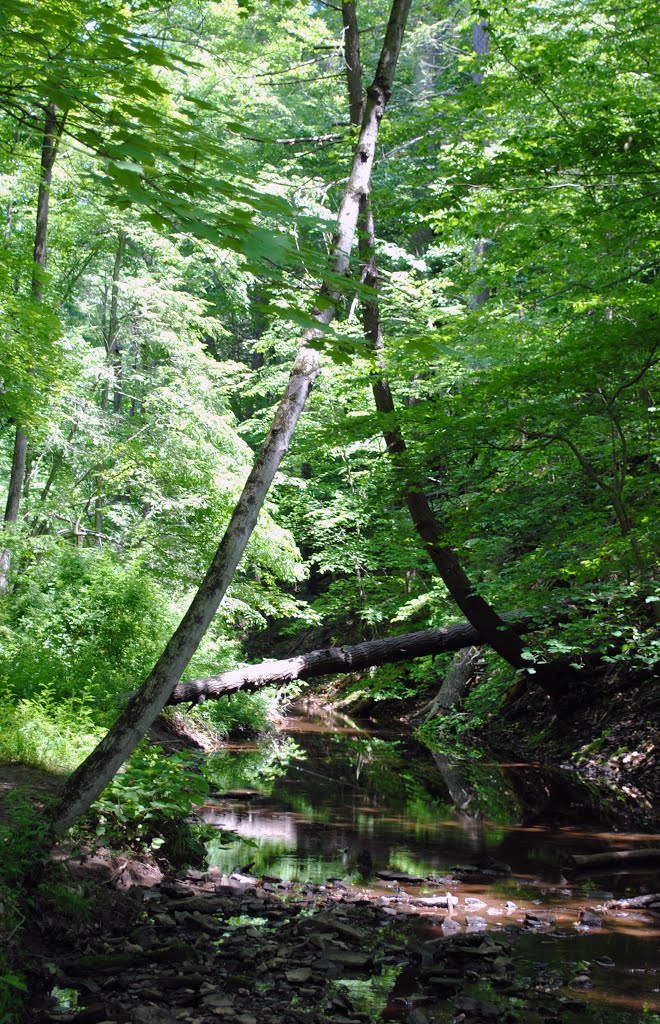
(349, 658)
(555, 677)
(90, 778)
(475, 608)
(454, 686)
(52, 132)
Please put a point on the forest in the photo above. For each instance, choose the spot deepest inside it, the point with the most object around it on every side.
(329, 380)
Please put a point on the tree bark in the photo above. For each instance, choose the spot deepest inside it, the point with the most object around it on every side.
(16, 477)
(352, 61)
(351, 658)
(90, 778)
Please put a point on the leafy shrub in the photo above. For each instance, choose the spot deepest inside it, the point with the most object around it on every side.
(147, 806)
(81, 619)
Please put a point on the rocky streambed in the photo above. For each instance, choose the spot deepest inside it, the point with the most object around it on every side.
(206, 947)
(358, 878)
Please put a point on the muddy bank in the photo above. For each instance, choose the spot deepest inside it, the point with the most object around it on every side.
(607, 728)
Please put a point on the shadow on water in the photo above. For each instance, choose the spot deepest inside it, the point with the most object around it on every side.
(327, 799)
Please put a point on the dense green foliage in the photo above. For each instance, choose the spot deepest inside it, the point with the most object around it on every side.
(203, 151)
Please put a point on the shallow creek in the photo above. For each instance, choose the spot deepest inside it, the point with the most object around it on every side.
(329, 802)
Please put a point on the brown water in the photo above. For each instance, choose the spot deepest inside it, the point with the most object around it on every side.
(329, 801)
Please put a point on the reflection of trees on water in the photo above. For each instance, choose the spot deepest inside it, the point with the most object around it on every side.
(463, 795)
(254, 767)
(341, 802)
(355, 802)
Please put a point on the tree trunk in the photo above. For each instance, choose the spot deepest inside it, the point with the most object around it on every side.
(16, 478)
(90, 778)
(476, 609)
(52, 133)
(352, 61)
(13, 500)
(328, 660)
(454, 686)
(110, 329)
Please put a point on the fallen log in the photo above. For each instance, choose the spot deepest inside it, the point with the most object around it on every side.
(350, 658)
(614, 858)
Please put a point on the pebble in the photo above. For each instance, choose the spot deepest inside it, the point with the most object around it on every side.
(472, 903)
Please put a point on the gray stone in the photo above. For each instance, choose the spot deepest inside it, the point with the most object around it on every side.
(298, 976)
(346, 957)
(217, 999)
(589, 919)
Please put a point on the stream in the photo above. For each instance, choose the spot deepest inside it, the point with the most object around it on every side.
(330, 802)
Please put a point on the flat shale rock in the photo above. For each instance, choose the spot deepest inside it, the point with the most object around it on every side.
(347, 958)
(152, 1015)
(400, 876)
(447, 900)
(298, 976)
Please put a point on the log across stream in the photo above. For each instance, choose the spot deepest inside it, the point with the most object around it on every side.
(329, 803)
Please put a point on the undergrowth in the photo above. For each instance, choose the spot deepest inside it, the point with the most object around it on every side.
(22, 845)
(481, 705)
(48, 732)
(150, 807)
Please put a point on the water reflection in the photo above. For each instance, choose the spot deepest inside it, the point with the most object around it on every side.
(319, 803)
(330, 794)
